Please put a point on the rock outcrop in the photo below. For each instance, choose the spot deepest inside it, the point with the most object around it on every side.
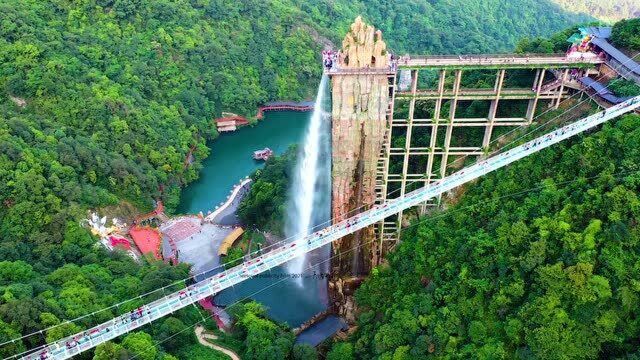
(363, 47)
(359, 122)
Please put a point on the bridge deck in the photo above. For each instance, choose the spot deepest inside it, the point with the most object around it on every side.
(75, 344)
(505, 61)
(498, 61)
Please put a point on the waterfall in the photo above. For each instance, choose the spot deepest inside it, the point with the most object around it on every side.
(309, 199)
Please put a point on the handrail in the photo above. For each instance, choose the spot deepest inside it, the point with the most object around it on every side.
(496, 55)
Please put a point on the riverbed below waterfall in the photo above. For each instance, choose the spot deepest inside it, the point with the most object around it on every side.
(231, 160)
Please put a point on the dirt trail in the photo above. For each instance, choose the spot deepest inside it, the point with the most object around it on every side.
(202, 339)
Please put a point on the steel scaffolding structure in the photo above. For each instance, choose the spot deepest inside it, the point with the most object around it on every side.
(440, 152)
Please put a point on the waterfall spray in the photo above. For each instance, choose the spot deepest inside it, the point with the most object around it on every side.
(310, 193)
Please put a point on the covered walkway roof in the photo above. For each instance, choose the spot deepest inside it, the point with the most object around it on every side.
(601, 34)
(602, 90)
(229, 240)
(617, 54)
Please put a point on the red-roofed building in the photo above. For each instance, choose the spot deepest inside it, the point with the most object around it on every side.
(230, 122)
(147, 240)
(119, 242)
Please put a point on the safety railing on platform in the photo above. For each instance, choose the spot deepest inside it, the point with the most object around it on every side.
(495, 55)
(361, 71)
(484, 60)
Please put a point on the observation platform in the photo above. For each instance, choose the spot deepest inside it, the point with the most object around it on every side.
(373, 71)
(498, 61)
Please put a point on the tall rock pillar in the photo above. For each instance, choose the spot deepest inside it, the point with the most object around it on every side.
(360, 98)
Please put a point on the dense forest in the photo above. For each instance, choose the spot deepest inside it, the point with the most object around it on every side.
(538, 266)
(626, 34)
(257, 337)
(264, 206)
(102, 100)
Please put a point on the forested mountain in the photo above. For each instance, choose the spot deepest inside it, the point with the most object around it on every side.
(102, 100)
(603, 9)
(446, 26)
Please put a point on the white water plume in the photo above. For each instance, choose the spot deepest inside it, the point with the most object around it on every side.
(309, 200)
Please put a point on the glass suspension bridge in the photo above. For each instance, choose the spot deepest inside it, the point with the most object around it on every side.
(75, 344)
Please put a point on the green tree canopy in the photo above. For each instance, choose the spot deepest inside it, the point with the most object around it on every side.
(626, 33)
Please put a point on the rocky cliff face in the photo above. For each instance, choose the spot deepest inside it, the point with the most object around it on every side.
(363, 47)
(359, 104)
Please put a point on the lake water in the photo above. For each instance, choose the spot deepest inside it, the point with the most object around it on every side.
(230, 161)
(231, 158)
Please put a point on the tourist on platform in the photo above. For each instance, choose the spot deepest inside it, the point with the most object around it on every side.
(327, 63)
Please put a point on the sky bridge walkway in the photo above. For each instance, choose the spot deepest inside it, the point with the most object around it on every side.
(482, 61)
(78, 343)
(499, 61)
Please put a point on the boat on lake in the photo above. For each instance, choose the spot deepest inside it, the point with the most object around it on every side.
(263, 154)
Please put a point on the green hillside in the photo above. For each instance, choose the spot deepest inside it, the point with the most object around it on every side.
(102, 100)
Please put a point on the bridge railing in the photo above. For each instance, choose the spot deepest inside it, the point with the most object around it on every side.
(497, 55)
(359, 71)
(493, 61)
(504, 60)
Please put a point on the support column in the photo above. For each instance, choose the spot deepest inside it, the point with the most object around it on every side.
(535, 80)
(537, 85)
(383, 165)
(452, 114)
(434, 132)
(565, 73)
(493, 108)
(407, 143)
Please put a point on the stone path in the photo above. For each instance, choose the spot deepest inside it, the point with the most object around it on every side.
(202, 339)
(229, 202)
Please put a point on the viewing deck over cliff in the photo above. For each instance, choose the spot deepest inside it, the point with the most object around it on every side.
(501, 61)
(498, 61)
(338, 71)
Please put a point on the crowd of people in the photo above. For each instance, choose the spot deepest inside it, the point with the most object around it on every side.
(331, 60)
